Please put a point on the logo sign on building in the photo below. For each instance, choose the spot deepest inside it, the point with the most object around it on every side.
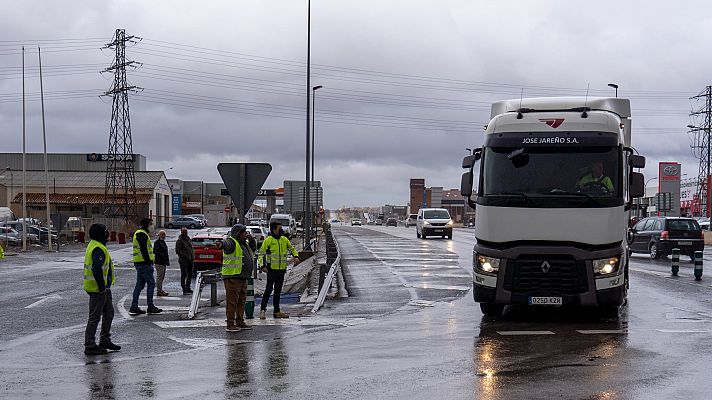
(669, 185)
(110, 157)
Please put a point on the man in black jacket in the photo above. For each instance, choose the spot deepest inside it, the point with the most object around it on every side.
(98, 278)
(160, 250)
(186, 255)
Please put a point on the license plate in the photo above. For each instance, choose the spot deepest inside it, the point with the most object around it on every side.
(205, 256)
(545, 301)
(437, 230)
(684, 243)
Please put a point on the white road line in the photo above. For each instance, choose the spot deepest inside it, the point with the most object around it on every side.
(122, 310)
(438, 287)
(44, 299)
(524, 333)
(209, 342)
(684, 330)
(256, 323)
(602, 331)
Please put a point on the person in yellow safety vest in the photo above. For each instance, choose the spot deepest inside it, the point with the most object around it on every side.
(595, 179)
(143, 258)
(98, 278)
(2, 252)
(273, 259)
(237, 266)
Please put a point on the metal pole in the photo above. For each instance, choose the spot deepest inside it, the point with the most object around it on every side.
(24, 165)
(307, 205)
(44, 139)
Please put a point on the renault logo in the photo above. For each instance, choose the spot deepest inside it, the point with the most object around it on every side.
(545, 267)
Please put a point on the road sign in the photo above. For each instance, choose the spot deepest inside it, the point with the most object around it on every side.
(243, 182)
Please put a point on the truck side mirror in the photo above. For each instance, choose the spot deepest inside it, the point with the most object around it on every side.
(636, 161)
(470, 160)
(466, 184)
(637, 185)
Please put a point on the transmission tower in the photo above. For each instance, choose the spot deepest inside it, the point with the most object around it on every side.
(701, 145)
(120, 190)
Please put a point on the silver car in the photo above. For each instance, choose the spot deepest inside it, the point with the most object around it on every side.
(185, 222)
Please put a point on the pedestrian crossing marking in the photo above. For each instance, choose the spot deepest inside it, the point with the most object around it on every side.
(602, 331)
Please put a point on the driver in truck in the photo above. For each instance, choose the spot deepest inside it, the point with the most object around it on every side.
(595, 177)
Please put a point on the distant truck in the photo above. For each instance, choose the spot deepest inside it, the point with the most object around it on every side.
(553, 197)
(289, 225)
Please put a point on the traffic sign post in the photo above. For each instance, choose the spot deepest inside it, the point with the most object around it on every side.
(243, 182)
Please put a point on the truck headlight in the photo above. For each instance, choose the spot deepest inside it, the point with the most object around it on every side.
(489, 265)
(606, 266)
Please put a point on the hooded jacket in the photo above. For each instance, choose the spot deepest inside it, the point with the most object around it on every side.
(248, 258)
(99, 233)
(184, 249)
(160, 250)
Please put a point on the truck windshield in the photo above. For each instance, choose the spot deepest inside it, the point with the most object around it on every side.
(551, 177)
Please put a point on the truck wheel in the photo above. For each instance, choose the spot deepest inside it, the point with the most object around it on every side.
(654, 254)
(491, 309)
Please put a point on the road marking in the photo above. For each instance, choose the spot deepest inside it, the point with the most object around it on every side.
(255, 323)
(524, 333)
(602, 331)
(684, 330)
(421, 303)
(122, 310)
(209, 342)
(437, 287)
(44, 299)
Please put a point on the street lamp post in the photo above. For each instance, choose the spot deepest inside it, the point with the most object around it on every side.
(614, 86)
(307, 205)
(313, 137)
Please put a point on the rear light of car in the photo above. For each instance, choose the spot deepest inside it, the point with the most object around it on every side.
(664, 235)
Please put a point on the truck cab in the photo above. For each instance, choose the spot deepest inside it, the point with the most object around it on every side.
(554, 188)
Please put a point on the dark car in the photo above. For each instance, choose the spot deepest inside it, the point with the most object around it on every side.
(657, 236)
(391, 222)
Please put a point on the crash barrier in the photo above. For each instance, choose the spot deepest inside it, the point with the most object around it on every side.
(675, 261)
(698, 265)
(204, 277)
(333, 261)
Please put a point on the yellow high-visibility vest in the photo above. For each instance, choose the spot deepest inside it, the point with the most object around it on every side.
(137, 256)
(90, 285)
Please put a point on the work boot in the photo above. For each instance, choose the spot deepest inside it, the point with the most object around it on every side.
(162, 293)
(94, 350)
(136, 311)
(154, 310)
(263, 314)
(280, 314)
(110, 346)
(243, 325)
(232, 328)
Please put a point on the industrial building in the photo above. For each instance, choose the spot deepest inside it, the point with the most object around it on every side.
(436, 197)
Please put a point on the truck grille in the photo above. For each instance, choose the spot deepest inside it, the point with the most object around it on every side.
(564, 277)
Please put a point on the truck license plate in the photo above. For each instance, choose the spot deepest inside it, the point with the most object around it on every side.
(684, 243)
(546, 301)
(206, 256)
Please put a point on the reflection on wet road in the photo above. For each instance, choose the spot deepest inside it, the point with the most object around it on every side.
(409, 330)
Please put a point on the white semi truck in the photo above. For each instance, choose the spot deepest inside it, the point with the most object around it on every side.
(555, 186)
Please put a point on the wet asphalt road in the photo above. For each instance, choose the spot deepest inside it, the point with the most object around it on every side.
(408, 330)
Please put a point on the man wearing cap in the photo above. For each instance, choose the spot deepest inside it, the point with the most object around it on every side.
(273, 258)
(238, 263)
(143, 258)
(98, 278)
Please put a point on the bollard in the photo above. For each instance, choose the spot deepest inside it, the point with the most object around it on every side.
(698, 265)
(250, 303)
(214, 294)
(675, 261)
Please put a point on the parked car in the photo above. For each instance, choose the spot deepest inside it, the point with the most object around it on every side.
(9, 236)
(704, 223)
(18, 227)
(185, 222)
(42, 233)
(207, 256)
(433, 221)
(379, 221)
(259, 233)
(411, 220)
(355, 222)
(657, 236)
(200, 217)
(392, 222)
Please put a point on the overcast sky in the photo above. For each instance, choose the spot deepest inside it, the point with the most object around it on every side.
(407, 84)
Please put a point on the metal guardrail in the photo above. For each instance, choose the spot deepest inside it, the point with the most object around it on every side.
(332, 253)
(203, 277)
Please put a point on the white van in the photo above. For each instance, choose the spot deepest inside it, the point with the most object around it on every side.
(433, 222)
(289, 225)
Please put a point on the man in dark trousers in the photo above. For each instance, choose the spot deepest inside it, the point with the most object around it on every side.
(273, 260)
(186, 255)
(238, 263)
(160, 250)
(98, 278)
(143, 258)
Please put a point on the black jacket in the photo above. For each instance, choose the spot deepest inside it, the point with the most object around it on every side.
(160, 250)
(184, 249)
